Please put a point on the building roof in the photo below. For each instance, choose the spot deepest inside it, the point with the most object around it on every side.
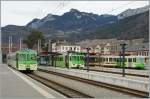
(139, 47)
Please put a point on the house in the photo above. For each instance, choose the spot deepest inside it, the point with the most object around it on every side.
(138, 49)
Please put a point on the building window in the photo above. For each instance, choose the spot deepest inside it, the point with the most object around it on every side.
(66, 48)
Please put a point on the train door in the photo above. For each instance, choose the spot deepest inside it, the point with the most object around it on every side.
(17, 59)
(129, 62)
(146, 61)
(27, 61)
(67, 61)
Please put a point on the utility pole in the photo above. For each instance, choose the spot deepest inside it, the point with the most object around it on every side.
(123, 59)
(67, 59)
(0, 45)
(99, 57)
(88, 49)
(49, 43)
(51, 49)
(120, 60)
(9, 44)
(20, 43)
(39, 45)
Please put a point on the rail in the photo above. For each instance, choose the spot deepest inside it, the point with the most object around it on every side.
(132, 92)
(120, 73)
(68, 92)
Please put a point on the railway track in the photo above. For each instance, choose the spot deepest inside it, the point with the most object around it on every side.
(129, 74)
(129, 91)
(68, 92)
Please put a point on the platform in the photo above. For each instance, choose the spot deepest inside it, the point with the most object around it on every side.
(17, 85)
(138, 83)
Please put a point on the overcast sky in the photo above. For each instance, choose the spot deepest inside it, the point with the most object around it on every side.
(21, 12)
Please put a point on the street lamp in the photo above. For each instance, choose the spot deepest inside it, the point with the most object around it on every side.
(123, 58)
(99, 59)
(50, 45)
(50, 50)
(87, 61)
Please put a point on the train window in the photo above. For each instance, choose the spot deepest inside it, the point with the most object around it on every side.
(33, 57)
(71, 57)
(100, 60)
(22, 57)
(82, 58)
(110, 59)
(129, 59)
(115, 59)
(28, 57)
(125, 59)
(107, 59)
(119, 60)
(74, 58)
(103, 59)
(134, 59)
(78, 58)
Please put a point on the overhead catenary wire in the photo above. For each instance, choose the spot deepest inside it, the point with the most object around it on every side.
(122, 6)
(61, 6)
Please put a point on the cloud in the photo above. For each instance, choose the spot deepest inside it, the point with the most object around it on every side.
(21, 12)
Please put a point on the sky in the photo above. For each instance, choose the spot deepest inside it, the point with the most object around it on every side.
(22, 12)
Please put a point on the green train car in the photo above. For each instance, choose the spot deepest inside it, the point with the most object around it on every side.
(137, 62)
(23, 60)
(69, 60)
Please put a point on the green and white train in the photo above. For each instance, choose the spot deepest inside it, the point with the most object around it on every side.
(23, 60)
(79, 60)
(138, 62)
(68, 60)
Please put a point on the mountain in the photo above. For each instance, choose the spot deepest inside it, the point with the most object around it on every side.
(77, 26)
(133, 27)
(15, 31)
(72, 20)
(131, 12)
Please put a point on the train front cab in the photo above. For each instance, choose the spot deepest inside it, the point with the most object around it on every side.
(26, 62)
